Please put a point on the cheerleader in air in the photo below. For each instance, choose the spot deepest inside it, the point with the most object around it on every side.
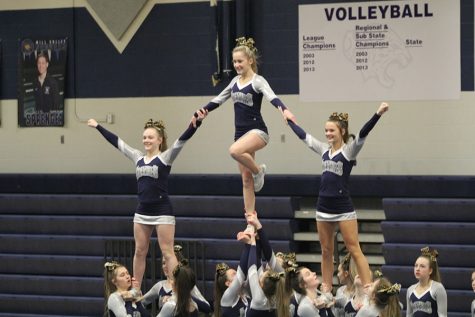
(427, 298)
(246, 91)
(154, 209)
(334, 205)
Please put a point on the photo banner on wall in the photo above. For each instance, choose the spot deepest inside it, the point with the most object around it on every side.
(41, 75)
(1, 72)
(380, 50)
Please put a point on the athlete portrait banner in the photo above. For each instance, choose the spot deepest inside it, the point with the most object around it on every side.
(1, 70)
(41, 75)
(380, 50)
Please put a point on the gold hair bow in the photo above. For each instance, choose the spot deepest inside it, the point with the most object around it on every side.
(242, 41)
(342, 116)
(177, 248)
(378, 274)
(154, 124)
(391, 290)
(291, 257)
(276, 276)
(431, 254)
(221, 268)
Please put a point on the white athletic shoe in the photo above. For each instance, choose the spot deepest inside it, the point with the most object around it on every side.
(259, 178)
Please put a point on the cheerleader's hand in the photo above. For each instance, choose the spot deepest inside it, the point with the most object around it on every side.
(165, 299)
(382, 108)
(319, 303)
(253, 220)
(194, 118)
(202, 113)
(92, 123)
(287, 115)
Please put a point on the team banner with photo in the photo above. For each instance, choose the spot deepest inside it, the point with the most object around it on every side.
(41, 74)
(1, 70)
(382, 50)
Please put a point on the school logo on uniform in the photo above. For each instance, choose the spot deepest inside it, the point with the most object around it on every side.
(243, 98)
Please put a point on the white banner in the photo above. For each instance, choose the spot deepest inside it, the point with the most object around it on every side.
(384, 50)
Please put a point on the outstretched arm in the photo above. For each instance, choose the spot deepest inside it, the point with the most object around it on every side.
(353, 148)
(199, 116)
(216, 101)
(297, 130)
(109, 136)
(170, 155)
(314, 144)
(366, 129)
(261, 85)
(130, 152)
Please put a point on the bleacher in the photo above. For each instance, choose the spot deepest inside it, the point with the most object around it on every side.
(52, 245)
(446, 225)
(54, 228)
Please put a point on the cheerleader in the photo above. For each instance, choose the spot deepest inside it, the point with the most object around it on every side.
(274, 262)
(117, 284)
(229, 296)
(359, 298)
(304, 284)
(346, 291)
(154, 209)
(181, 303)
(427, 298)
(163, 290)
(247, 90)
(472, 309)
(334, 205)
(268, 295)
(383, 300)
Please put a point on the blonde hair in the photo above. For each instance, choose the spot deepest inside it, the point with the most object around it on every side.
(220, 286)
(341, 120)
(431, 256)
(386, 299)
(159, 126)
(275, 291)
(246, 46)
(110, 273)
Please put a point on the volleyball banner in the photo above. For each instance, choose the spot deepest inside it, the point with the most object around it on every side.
(41, 74)
(380, 50)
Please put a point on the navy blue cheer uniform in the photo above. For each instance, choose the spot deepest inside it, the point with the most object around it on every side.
(154, 205)
(247, 101)
(431, 303)
(334, 202)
